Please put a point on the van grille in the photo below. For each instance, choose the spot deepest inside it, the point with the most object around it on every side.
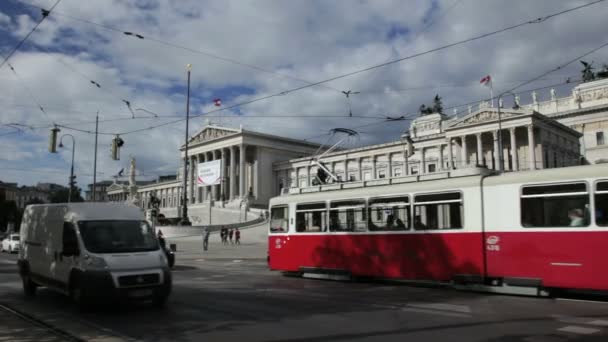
(139, 280)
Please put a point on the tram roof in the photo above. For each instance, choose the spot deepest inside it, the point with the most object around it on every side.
(437, 182)
(550, 175)
(455, 180)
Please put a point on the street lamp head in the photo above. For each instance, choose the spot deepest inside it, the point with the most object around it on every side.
(61, 145)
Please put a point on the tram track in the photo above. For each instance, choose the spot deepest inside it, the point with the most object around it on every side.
(51, 329)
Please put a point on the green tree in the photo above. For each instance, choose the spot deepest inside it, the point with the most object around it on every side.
(9, 212)
(61, 196)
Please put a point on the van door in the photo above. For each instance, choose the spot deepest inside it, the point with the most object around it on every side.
(66, 256)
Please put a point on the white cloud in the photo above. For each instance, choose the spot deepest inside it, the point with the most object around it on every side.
(311, 40)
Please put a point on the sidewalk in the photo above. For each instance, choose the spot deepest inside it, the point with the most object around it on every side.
(189, 248)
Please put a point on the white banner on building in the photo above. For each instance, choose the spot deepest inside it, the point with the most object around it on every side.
(209, 173)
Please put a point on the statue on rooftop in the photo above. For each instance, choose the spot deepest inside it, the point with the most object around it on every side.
(587, 72)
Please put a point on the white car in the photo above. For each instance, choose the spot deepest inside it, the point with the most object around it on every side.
(10, 244)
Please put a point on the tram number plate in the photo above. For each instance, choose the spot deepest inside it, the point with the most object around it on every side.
(495, 248)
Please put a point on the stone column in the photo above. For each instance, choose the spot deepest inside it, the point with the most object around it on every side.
(242, 170)
(222, 175)
(390, 165)
(406, 164)
(197, 190)
(308, 182)
(496, 154)
(465, 157)
(531, 147)
(514, 149)
(479, 149)
(373, 167)
(450, 154)
(192, 180)
(360, 165)
(203, 157)
(441, 161)
(232, 185)
(422, 162)
(214, 188)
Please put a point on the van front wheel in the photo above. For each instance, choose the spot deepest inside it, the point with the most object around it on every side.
(29, 287)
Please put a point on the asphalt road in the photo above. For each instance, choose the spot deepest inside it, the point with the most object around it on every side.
(224, 299)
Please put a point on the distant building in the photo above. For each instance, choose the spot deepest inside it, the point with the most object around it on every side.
(25, 194)
(550, 133)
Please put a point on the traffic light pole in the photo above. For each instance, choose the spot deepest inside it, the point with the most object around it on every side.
(71, 182)
(185, 221)
(95, 158)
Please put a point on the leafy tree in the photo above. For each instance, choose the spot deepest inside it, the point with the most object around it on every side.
(34, 200)
(9, 212)
(61, 196)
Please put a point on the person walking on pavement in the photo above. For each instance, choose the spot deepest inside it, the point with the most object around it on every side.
(161, 239)
(237, 237)
(230, 234)
(206, 240)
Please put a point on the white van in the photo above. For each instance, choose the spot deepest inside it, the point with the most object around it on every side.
(92, 252)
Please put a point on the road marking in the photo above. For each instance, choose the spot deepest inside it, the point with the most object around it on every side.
(443, 307)
(599, 322)
(8, 262)
(578, 330)
(440, 313)
(237, 260)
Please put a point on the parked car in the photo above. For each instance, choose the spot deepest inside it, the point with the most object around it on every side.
(10, 244)
(93, 252)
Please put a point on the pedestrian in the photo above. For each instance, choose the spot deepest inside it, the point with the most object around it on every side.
(237, 236)
(225, 235)
(206, 240)
(230, 234)
(161, 239)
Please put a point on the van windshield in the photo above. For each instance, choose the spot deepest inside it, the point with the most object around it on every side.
(117, 236)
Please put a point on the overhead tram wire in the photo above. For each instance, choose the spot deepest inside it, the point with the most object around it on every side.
(385, 117)
(485, 35)
(185, 48)
(482, 36)
(90, 80)
(45, 14)
(29, 91)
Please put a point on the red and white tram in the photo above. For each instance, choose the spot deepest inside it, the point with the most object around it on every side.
(545, 229)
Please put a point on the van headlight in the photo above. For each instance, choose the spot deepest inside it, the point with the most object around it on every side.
(94, 262)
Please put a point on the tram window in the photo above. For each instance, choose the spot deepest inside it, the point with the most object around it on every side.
(279, 219)
(390, 214)
(347, 216)
(601, 204)
(557, 205)
(311, 218)
(438, 211)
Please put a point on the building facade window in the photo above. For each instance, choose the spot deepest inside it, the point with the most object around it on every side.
(599, 137)
(397, 172)
(432, 168)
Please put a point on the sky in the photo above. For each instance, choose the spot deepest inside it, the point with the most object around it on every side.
(243, 50)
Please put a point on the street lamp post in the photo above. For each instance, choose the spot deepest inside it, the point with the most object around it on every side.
(185, 221)
(501, 162)
(71, 182)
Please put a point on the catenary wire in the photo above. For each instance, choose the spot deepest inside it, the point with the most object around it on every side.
(485, 35)
(45, 13)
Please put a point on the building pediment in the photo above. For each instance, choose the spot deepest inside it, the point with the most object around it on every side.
(209, 133)
(484, 115)
(115, 187)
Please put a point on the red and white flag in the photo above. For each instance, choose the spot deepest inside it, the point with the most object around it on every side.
(217, 102)
(486, 81)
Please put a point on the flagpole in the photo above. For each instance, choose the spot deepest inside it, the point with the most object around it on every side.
(491, 93)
